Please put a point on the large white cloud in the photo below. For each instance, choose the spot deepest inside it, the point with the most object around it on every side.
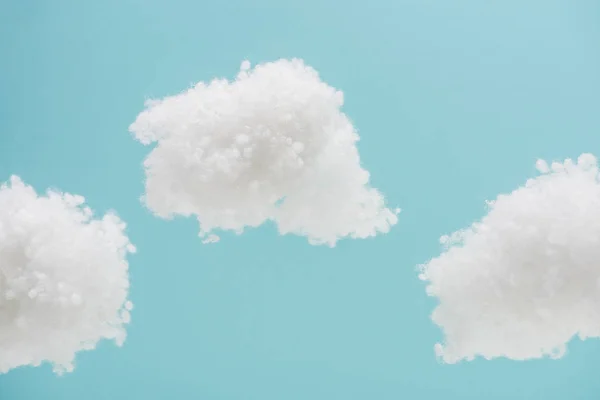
(525, 279)
(63, 278)
(271, 145)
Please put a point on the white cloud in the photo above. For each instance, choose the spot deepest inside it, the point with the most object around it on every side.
(63, 278)
(525, 279)
(271, 145)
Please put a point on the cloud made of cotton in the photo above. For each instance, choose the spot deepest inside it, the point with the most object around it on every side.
(63, 278)
(525, 280)
(271, 145)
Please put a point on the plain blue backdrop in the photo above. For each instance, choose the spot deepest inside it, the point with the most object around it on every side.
(454, 101)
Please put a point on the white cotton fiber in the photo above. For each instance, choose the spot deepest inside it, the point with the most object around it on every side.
(63, 278)
(271, 145)
(526, 278)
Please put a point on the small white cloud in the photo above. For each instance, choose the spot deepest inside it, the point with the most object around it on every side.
(63, 278)
(525, 279)
(212, 238)
(271, 145)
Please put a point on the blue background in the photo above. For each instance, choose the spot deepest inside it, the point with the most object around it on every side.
(454, 101)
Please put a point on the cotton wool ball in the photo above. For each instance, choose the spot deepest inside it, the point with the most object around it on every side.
(63, 278)
(273, 144)
(523, 281)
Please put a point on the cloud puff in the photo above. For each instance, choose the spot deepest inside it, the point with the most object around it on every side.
(63, 278)
(525, 279)
(270, 145)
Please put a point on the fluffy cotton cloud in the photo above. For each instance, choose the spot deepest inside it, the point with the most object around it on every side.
(63, 278)
(526, 278)
(270, 145)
